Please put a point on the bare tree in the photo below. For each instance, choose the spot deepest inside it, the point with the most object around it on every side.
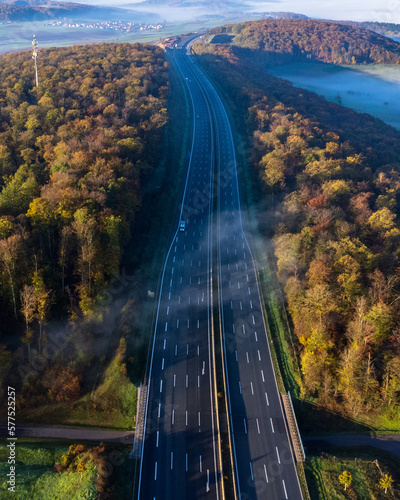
(28, 309)
(65, 242)
(9, 249)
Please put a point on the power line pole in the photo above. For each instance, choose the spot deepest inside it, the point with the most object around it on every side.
(34, 57)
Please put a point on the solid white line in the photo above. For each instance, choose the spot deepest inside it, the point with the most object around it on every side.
(272, 425)
(155, 471)
(266, 475)
(284, 488)
(172, 460)
(187, 380)
(186, 417)
(201, 465)
(277, 453)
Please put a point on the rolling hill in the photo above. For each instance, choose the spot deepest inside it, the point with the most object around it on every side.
(306, 39)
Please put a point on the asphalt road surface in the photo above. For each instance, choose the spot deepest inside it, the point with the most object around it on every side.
(180, 456)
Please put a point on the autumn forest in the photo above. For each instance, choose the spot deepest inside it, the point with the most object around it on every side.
(329, 181)
(75, 153)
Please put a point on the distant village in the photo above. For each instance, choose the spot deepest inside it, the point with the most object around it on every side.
(107, 25)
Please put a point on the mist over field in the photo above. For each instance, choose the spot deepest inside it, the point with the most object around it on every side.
(367, 89)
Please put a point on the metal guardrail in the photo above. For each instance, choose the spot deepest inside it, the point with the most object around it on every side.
(293, 428)
(139, 429)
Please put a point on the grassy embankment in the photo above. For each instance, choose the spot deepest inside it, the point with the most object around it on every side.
(366, 466)
(37, 478)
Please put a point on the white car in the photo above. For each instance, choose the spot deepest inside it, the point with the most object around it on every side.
(182, 225)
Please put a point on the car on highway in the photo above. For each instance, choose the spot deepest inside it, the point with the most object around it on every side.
(182, 225)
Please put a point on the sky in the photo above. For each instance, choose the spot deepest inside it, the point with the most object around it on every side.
(356, 10)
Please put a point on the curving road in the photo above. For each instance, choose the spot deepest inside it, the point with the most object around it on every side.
(180, 457)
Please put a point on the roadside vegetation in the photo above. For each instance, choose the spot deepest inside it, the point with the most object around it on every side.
(362, 473)
(77, 155)
(49, 470)
(326, 192)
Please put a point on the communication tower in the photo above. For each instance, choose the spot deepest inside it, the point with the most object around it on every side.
(34, 57)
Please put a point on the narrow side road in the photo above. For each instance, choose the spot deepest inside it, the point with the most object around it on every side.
(71, 433)
(385, 442)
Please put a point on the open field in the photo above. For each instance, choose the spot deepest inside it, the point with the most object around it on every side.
(372, 89)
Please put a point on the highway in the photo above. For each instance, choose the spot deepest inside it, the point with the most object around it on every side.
(180, 456)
